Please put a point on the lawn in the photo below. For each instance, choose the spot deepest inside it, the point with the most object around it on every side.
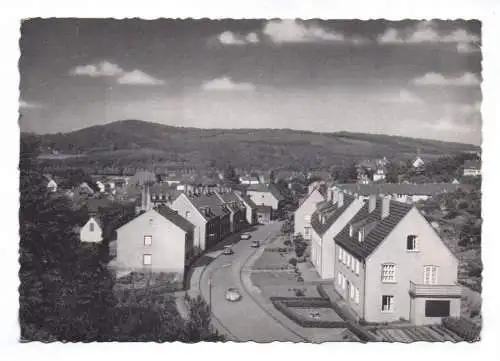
(321, 313)
(272, 260)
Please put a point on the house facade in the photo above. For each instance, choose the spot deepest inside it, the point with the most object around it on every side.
(236, 208)
(327, 221)
(268, 196)
(472, 168)
(250, 208)
(158, 240)
(391, 264)
(302, 216)
(92, 231)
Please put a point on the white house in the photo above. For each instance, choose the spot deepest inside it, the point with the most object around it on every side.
(472, 168)
(418, 162)
(91, 232)
(302, 216)
(52, 186)
(247, 180)
(158, 240)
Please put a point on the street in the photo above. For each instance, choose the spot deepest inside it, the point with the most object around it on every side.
(244, 320)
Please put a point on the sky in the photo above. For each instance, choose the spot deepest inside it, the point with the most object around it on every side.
(413, 78)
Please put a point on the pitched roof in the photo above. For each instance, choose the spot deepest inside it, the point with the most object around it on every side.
(175, 218)
(330, 211)
(376, 229)
(429, 189)
(266, 189)
(321, 190)
(214, 204)
(248, 201)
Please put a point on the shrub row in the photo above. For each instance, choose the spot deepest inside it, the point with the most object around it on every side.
(463, 328)
(302, 302)
(277, 249)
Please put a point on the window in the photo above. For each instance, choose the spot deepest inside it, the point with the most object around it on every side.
(344, 257)
(148, 240)
(146, 259)
(343, 282)
(307, 218)
(387, 303)
(351, 291)
(307, 231)
(357, 267)
(339, 253)
(411, 243)
(350, 230)
(91, 226)
(437, 308)
(430, 275)
(188, 214)
(340, 279)
(356, 295)
(388, 273)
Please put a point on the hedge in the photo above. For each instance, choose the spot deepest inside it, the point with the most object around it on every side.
(463, 328)
(286, 310)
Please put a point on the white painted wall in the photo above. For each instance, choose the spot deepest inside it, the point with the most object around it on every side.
(410, 267)
(263, 198)
(86, 235)
(182, 204)
(167, 248)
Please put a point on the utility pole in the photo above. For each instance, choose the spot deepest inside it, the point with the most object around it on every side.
(210, 294)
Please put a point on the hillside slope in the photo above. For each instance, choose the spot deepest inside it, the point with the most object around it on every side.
(130, 141)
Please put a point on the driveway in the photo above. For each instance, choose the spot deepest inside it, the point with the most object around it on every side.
(245, 320)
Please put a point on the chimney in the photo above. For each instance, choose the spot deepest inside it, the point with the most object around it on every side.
(372, 202)
(340, 198)
(335, 195)
(361, 235)
(386, 205)
(146, 198)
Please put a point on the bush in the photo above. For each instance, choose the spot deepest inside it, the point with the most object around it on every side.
(300, 279)
(287, 243)
(300, 292)
(293, 262)
(463, 328)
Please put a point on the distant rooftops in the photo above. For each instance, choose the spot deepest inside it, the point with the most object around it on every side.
(266, 189)
(429, 189)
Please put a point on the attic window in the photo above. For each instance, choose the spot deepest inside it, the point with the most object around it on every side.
(91, 226)
(411, 243)
(148, 240)
(187, 214)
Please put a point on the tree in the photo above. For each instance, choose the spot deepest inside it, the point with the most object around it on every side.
(198, 327)
(300, 245)
(230, 174)
(272, 176)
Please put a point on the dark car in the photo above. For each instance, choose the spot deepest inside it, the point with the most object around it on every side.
(228, 250)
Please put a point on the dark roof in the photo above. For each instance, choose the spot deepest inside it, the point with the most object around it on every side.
(217, 208)
(267, 189)
(175, 218)
(429, 189)
(248, 201)
(330, 211)
(376, 229)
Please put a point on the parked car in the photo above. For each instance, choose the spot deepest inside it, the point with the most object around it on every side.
(233, 295)
(245, 236)
(255, 244)
(228, 250)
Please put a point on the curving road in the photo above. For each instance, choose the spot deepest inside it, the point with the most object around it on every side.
(245, 320)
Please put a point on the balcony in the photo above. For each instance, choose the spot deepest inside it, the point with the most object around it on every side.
(435, 291)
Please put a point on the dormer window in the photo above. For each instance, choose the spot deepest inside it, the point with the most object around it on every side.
(350, 230)
(361, 235)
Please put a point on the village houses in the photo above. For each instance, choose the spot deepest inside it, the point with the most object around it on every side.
(472, 168)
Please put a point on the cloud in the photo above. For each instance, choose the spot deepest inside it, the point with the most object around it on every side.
(465, 48)
(295, 31)
(28, 105)
(466, 79)
(107, 69)
(426, 32)
(103, 69)
(138, 77)
(230, 38)
(404, 96)
(226, 84)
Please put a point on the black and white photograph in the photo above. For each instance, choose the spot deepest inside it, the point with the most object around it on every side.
(279, 179)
